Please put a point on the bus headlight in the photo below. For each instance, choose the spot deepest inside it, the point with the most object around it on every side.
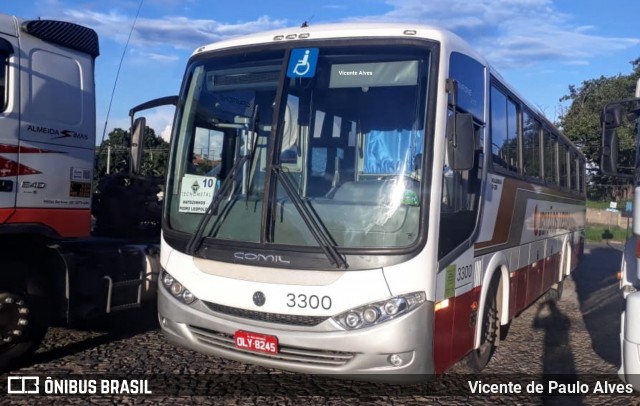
(352, 319)
(176, 289)
(379, 312)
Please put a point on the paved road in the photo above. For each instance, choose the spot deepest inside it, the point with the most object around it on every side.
(577, 336)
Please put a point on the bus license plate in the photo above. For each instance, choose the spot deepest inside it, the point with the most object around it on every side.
(256, 342)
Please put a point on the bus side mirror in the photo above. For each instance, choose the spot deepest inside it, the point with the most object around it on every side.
(461, 141)
(137, 142)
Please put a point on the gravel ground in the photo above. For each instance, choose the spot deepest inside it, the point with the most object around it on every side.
(578, 336)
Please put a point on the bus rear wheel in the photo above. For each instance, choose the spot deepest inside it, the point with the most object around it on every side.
(479, 358)
(24, 313)
(554, 294)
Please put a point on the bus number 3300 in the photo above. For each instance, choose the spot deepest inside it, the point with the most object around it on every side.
(464, 272)
(303, 301)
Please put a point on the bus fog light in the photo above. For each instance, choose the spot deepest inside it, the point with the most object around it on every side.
(370, 315)
(352, 320)
(395, 360)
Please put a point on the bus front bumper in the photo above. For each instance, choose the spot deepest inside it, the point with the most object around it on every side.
(367, 354)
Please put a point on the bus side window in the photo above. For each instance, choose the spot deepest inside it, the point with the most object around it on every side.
(460, 200)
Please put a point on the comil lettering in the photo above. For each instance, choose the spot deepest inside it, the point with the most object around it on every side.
(249, 256)
(543, 221)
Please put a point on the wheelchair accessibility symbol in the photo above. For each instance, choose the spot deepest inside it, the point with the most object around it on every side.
(302, 63)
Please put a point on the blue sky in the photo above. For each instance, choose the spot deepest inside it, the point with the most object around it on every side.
(539, 46)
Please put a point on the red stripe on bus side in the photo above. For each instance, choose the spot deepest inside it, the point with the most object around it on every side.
(442, 337)
(66, 222)
(454, 329)
(454, 333)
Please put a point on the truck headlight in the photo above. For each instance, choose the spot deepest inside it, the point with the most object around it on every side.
(176, 289)
(379, 312)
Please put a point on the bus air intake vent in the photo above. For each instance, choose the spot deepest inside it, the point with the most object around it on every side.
(288, 319)
(239, 80)
(217, 340)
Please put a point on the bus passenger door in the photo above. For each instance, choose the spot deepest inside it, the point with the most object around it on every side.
(459, 207)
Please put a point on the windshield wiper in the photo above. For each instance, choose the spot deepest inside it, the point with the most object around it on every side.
(315, 225)
(255, 123)
(196, 239)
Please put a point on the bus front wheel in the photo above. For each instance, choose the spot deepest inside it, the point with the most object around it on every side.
(479, 358)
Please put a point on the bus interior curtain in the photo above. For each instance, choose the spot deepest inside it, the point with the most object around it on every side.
(391, 152)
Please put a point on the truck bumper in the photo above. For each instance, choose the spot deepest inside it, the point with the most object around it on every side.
(630, 341)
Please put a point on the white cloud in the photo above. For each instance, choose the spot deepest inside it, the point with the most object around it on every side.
(160, 120)
(511, 33)
(174, 31)
(140, 55)
(166, 133)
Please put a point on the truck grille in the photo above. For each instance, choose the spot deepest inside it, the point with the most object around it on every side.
(288, 319)
(219, 340)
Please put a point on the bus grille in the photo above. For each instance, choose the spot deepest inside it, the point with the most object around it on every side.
(288, 319)
(219, 340)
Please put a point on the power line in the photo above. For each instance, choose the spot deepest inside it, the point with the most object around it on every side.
(113, 91)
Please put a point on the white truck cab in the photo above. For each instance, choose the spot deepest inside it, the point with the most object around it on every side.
(614, 116)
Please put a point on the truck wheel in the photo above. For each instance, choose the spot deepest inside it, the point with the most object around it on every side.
(479, 358)
(24, 313)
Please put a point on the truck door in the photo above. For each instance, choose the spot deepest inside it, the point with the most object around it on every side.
(57, 132)
(9, 119)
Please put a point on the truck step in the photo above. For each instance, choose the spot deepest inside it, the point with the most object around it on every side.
(124, 307)
(122, 284)
(128, 282)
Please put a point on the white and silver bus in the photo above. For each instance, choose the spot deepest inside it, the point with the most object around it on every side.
(360, 199)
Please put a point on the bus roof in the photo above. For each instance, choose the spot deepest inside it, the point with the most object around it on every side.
(339, 30)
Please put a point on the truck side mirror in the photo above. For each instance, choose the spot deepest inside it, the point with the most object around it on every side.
(610, 119)
(137, 142)
(609, 153)
(461, 141)
(612, 116)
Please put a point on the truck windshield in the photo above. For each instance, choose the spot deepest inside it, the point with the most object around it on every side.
(347, 130)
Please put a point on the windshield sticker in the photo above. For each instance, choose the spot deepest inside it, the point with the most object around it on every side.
(196, 193)
(302, 63)
(450, 281)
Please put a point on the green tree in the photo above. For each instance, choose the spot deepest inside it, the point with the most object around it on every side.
(154, 158)
(581, 122)
(124, 205)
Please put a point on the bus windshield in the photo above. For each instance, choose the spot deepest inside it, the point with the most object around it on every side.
(341, 141)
